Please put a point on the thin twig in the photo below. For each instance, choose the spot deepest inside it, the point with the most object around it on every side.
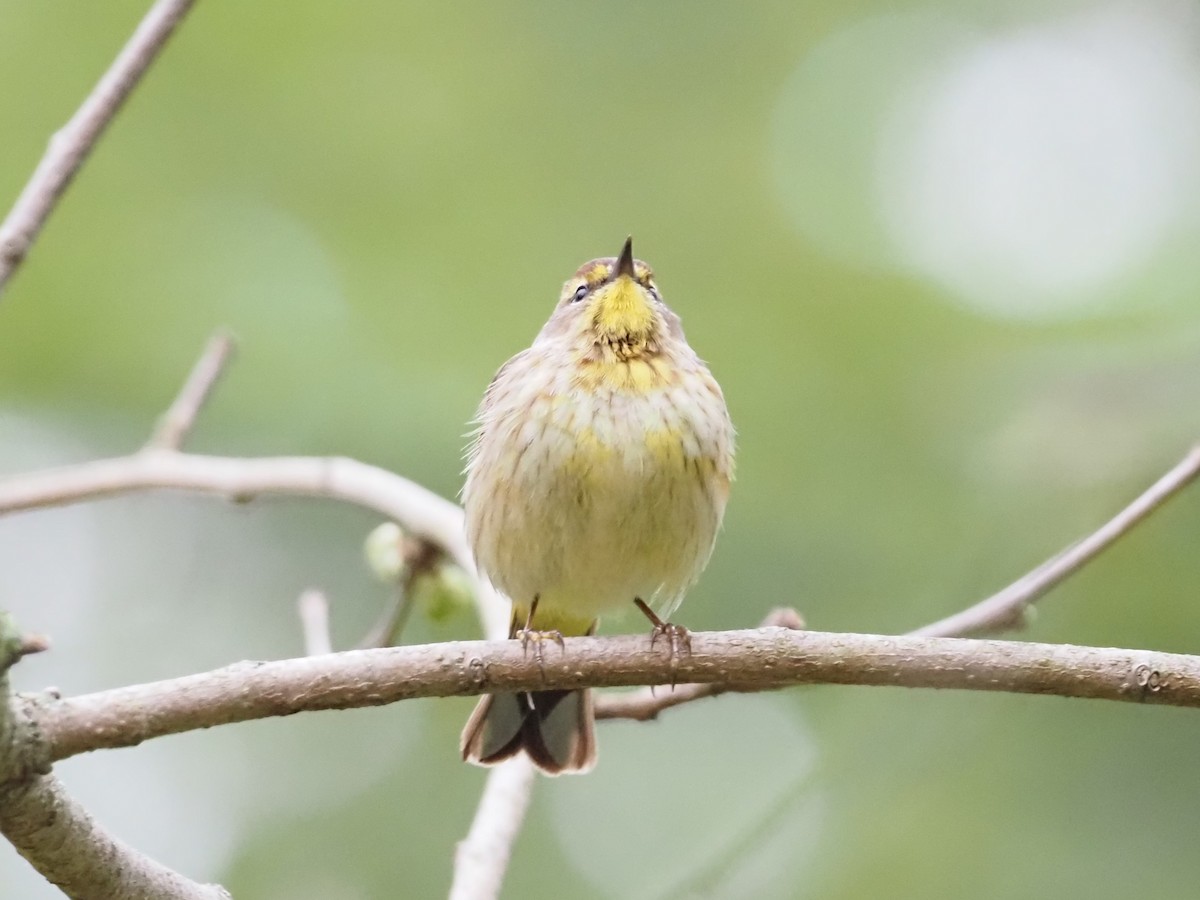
(481, 858)
(416, 508)
(177, 422)
(313, 609)
(33, 643)
(70, 146)
(644, 705)
(768, 657)
(421, 558)
(1005, 609)
(388, 627)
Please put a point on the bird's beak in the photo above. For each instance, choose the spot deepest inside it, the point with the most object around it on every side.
(625, 261)
(622, 307)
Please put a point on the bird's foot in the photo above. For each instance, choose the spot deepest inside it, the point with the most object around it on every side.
(678, 638)
(530, 637)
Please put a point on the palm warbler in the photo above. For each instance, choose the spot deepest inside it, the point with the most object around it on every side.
(597, 477)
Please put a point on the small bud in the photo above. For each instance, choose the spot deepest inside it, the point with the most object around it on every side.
(444, 592)
(384, 549)
(785, 617)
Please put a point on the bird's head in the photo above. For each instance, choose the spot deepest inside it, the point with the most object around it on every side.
(612, 306)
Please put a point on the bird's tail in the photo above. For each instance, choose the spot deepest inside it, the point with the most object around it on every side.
(555, 729)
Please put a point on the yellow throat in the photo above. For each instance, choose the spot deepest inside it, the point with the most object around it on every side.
(622, 316)
(621, 311)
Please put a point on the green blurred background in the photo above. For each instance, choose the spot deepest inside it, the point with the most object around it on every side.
(941, 256)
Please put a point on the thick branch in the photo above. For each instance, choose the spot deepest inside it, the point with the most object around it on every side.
(440, 521)
(71, 145)
(645, 704)
(769, 657)
(53, 832)
(65, 844)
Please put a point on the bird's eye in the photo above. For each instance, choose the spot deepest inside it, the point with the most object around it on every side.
(580, 293)
(653, 288)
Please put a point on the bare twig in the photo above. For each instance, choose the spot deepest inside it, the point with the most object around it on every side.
(337, 478)
(33, 643)
(421, 559)
(390, 625)
(70, 146)
(644, 704)
(482, 856)
(1005, 609)
(768, 657)
(176, 424)
(314, 623)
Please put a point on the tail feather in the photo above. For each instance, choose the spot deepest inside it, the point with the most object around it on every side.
(555, 729)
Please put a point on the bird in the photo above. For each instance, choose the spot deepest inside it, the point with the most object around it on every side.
(597, 477)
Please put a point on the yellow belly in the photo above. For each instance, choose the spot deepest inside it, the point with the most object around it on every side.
(588, 499)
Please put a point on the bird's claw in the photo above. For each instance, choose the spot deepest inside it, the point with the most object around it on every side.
(528, 636)
(678, 637)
